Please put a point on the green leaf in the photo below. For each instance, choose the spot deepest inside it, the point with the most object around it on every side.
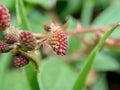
(22, 21)
(37, 20)
(105, 62)
(110, 15)
(71, 23)
(87, 11)
(9, 4)
(55, 74)
(80, 82)
(72, 6)
(101, 83)
(45, 4)
(31, 76)
(15, 80)
(4, 63)
(73, 43)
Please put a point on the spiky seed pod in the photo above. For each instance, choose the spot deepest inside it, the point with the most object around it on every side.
(59, 42)
(27, 41)
(4, 17)
(20, 61)
(11, 38)
(3, 47)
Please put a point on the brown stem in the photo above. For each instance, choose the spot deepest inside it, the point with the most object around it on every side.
(78, 30)
(84, 40)
(17, 31)
(87, 30)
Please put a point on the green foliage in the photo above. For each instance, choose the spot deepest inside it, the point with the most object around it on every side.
(56, 72)
(107, 63)
(56, 75)
(87, 12)
(45, 4)
(108, 16)
(21, 15)
(101, 82)
(10, 5)
(4, 63)
(15, 80)
(37, 20)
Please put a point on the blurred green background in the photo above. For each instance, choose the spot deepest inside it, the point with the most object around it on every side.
(60, 73)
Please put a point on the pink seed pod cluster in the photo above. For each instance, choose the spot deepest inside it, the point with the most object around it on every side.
(24, 45)
(11, 38)
(20, 61)
(59, 42)
(3, 47)
(27, 40)
(5, 19)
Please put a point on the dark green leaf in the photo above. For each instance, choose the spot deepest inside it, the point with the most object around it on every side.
(45, 4)
(72, 6)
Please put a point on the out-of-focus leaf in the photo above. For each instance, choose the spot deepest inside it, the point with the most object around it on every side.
(55, 74)
(15, 80)
(4, 63)
(109, 16)
(47, 4)
(101, 83)
(102, 3)
(8, 3)
(80, 82)
(87, 11)
(22, 21)
(1, 35)
(71, 23)
(104, 62)
(31, 75)
(37, 20)
(71, 7)
(73, 44)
